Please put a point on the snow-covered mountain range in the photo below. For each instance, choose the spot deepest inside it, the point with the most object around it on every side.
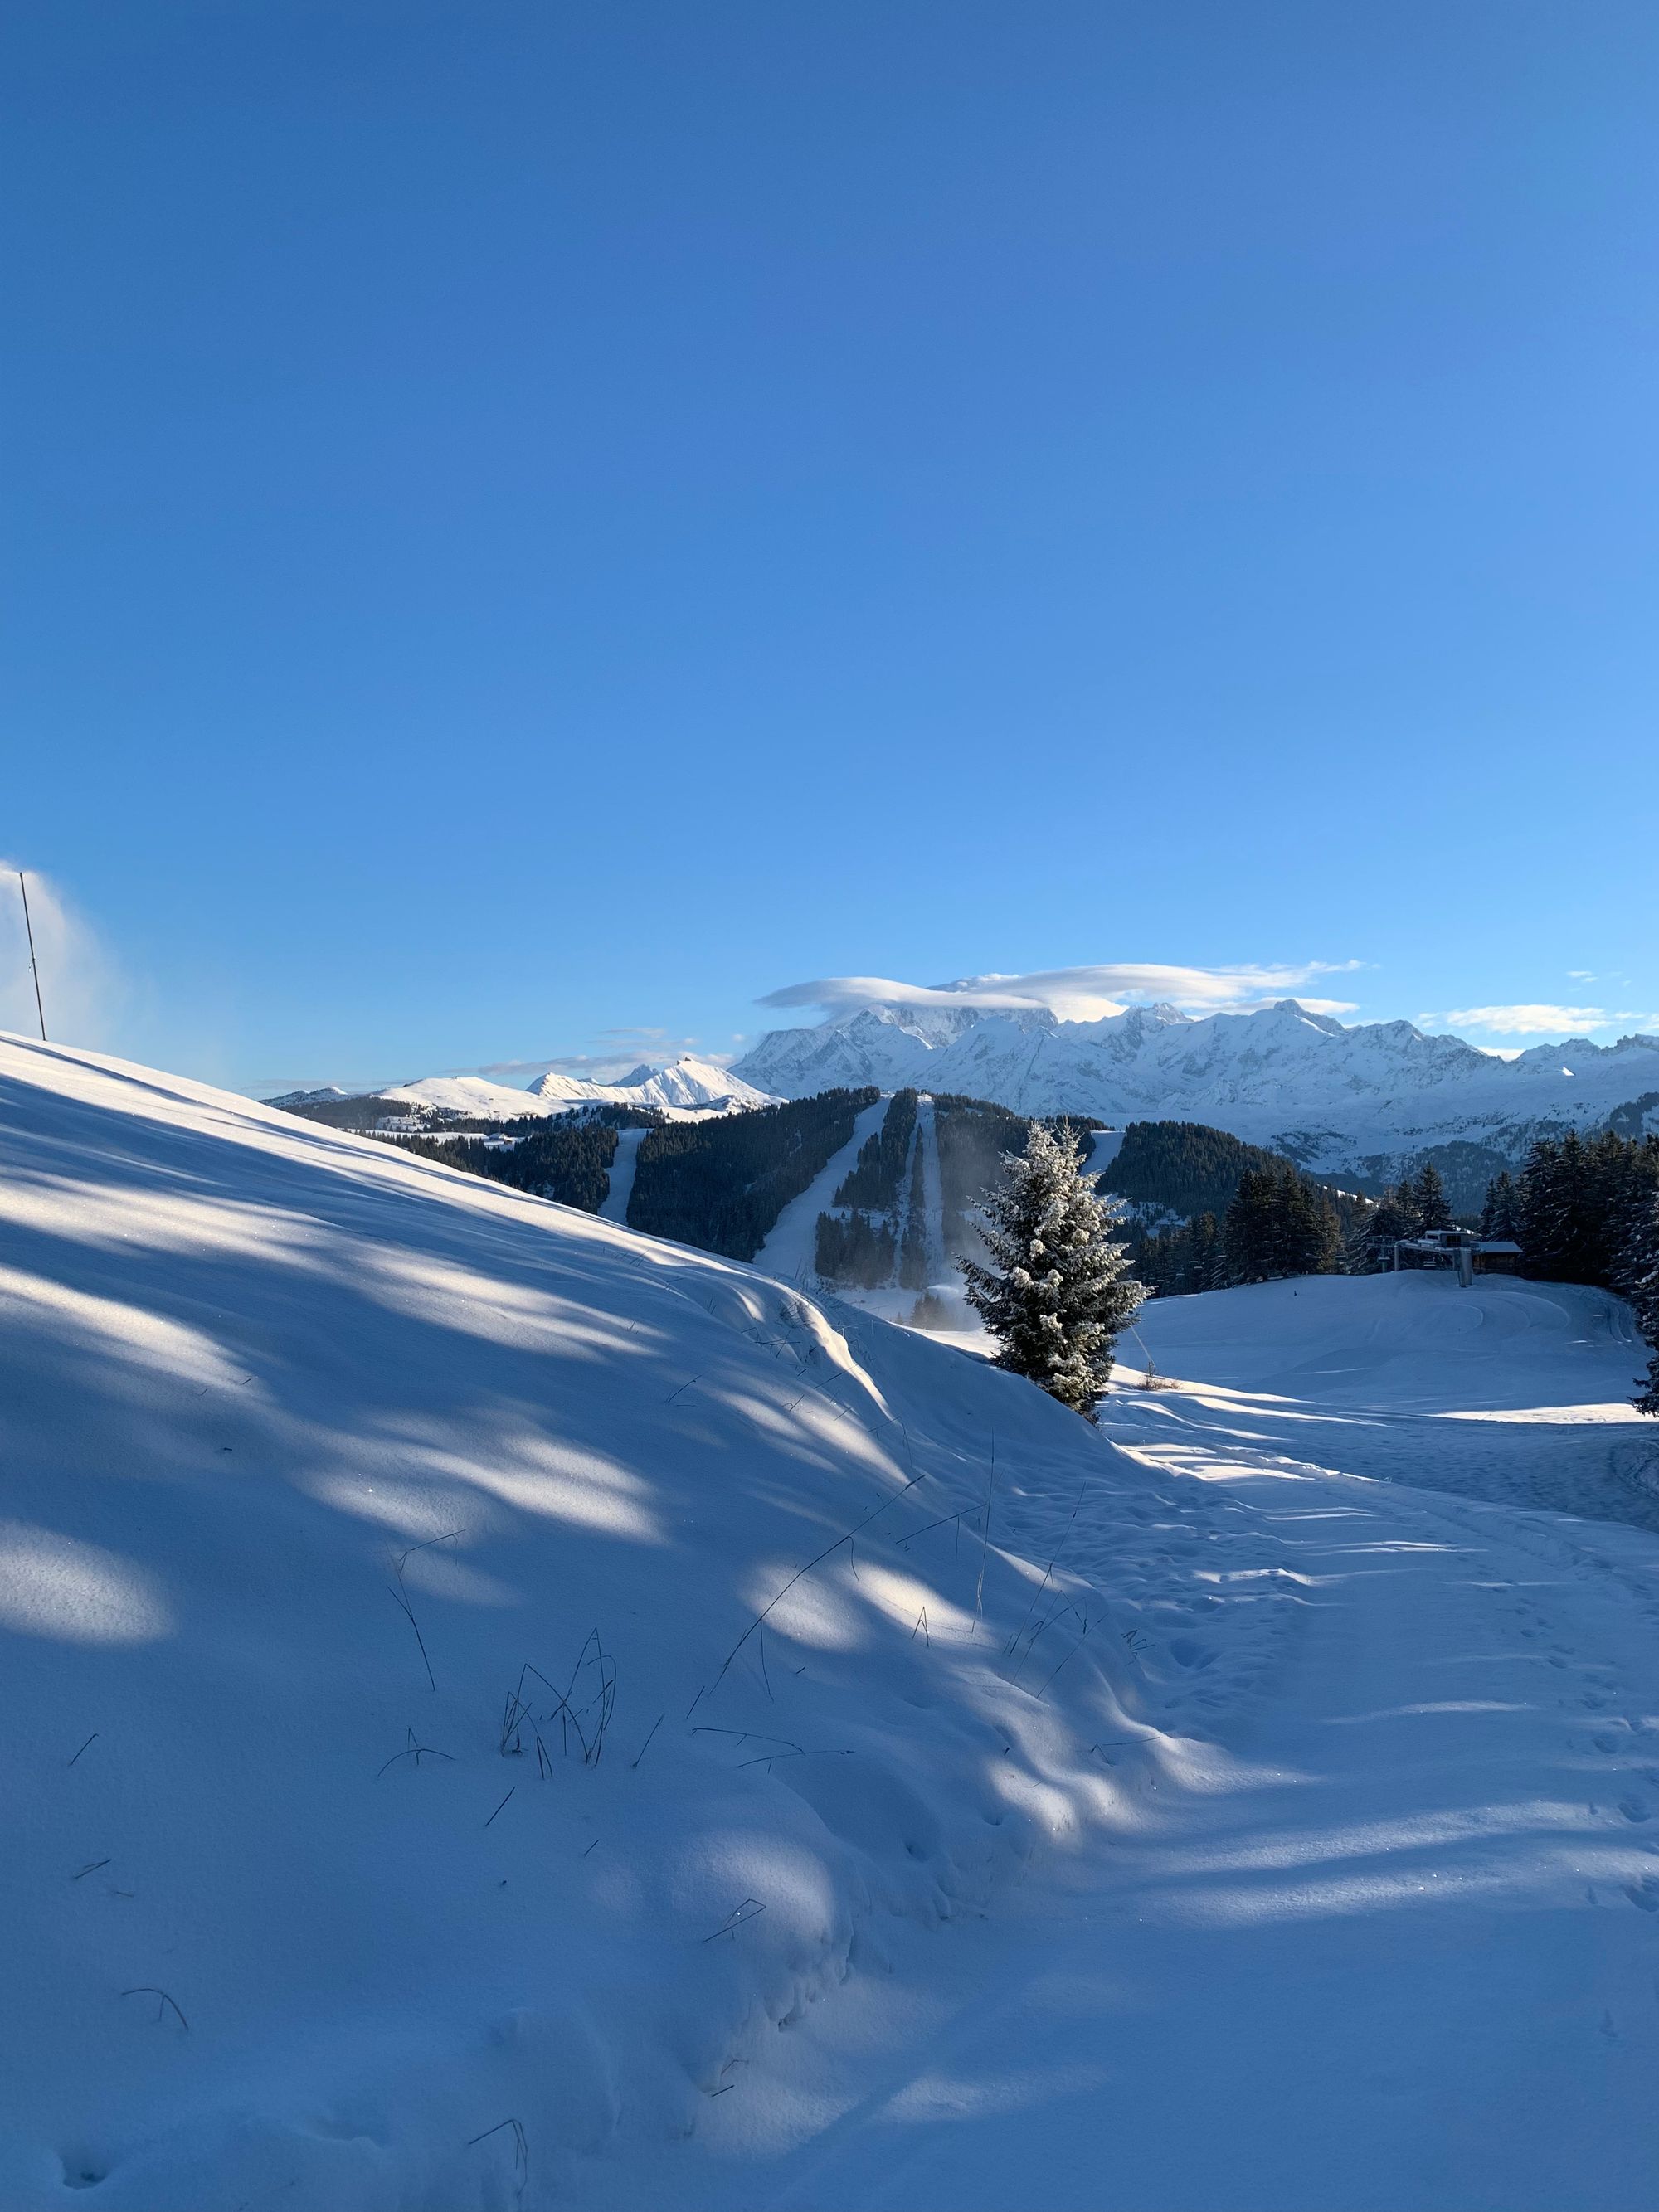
(1354, 1101)
(686, 1085)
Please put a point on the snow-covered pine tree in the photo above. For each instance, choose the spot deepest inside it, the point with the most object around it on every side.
(1057, 1291)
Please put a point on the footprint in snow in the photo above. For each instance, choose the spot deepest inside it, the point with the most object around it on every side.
(1633, 1808)
(1644, 1894)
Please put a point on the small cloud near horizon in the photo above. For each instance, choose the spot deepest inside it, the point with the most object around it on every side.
(1530, 1019)
(1082, 995)
(621, 1051)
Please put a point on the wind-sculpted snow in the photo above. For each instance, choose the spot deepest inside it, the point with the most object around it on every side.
(473, 1675)
(1355, 1099)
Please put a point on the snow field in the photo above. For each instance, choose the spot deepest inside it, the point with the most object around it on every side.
(1511, 1391)
(1382, 1929)
(311, 1451)
(1263, 1817)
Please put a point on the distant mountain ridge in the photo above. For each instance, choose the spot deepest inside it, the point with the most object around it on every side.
(1344, 1102)
(683, 1086)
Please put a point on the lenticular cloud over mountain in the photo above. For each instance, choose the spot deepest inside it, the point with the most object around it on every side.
(1078, 994)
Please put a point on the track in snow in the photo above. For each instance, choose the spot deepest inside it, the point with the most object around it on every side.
(1383, 1929)
(789, 1250)
(624, 1167)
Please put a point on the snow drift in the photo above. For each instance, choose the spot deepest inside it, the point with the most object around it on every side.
(431, 1767)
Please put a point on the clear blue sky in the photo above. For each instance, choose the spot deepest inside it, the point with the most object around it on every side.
(525, 521)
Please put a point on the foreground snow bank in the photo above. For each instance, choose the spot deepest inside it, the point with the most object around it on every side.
(405, 1803)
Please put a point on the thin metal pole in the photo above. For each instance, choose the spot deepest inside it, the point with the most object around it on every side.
(34, 969)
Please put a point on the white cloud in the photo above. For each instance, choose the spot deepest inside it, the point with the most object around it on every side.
(1078, 994)
(1528, 1020)
(1580, 976)
(77, 978)
(621, 1050)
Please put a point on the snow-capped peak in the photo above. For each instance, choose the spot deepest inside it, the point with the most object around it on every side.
(1339, 1098)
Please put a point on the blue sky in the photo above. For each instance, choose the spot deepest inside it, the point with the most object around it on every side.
(529, 528)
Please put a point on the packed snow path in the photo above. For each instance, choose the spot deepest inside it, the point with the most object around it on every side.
(1385, 1931)
(1398, 1949)
(624, 1167)
(790, 1251)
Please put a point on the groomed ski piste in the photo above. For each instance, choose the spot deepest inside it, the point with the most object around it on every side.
(503, 1712)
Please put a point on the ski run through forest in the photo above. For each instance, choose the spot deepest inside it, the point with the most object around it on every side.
(508, 1710)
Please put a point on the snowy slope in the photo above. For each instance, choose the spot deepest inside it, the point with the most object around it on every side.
(1280, 1838)
(1383, 1932)
(288, 1417)
(1514, 1392)
(1334, 1097)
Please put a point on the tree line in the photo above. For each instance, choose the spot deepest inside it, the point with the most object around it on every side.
(721, 1184)
(1582, 1210)
(877, 1227)
(1278, 1223)
(549, 1159)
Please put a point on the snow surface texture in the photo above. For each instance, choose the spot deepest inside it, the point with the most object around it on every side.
(1300, 1829)
(1332, 1098)
(1382, 1929)
(290, 1419)
(686, 1088)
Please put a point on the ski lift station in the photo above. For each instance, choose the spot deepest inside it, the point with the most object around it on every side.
(1460, 1248)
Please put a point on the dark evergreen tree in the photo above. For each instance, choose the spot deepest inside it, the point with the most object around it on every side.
(1647, 1318)
(854, 1248)
(1559, 1233)
(1634, 1232)
(1640, 1263)
(1500, 1217)
(1430, 1193)
(1396, 1216)
(1247, 1232)
(1586, 1207)
(913, 1249)
(1056, 1293)
(1280, 1225)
